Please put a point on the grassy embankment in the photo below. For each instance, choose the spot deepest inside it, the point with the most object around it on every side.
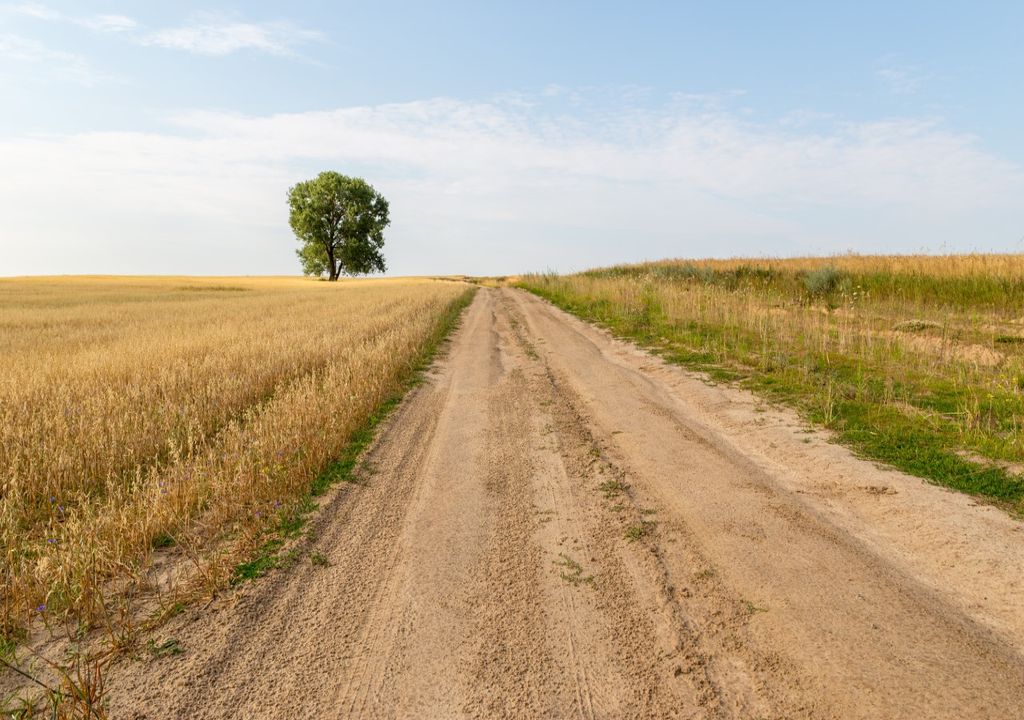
(194, 414)
(915, 361)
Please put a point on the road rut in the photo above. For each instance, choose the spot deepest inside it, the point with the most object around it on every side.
(556, 525)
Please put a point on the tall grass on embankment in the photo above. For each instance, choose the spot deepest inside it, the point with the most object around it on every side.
(141, 413)
(916, 361)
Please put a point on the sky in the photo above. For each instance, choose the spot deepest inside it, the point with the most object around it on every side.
(161, 138)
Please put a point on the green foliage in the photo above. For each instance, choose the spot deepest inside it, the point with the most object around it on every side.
(823, 282)
(572, 571)
(640, 530)
(611, 488)
(314, 259)
(340, 222)
(165, 649)
(265, 560)
(162, 540)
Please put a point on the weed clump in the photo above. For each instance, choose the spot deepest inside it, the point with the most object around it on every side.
(823, 283)
(916, 326)
(611, 488)
(639, 531)
(572, 571)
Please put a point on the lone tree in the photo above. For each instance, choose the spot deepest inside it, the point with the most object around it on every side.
(340, 222)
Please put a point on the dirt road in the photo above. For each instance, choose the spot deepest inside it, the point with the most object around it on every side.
(556, 525)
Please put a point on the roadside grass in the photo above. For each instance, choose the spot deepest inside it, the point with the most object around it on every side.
(908, 368)
(985, 281)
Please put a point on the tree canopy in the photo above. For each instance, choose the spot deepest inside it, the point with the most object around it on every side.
(340, 222)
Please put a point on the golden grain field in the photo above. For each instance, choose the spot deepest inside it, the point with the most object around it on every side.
(139, 411)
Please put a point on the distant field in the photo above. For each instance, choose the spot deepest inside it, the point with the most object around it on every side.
(138, 413)
(917, 361)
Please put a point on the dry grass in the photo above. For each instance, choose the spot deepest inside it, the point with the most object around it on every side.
(137, 412)
(911, 359)
(941, 266)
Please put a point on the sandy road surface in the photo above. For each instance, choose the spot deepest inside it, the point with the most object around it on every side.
(557, 525)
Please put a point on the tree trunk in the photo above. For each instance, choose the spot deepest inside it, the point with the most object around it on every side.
(332, 271)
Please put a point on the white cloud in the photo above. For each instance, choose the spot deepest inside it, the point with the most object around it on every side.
(215, 34)
(109, 23)
(493, 187)
(98, 23)
(900, 78)
(57, 64)
(205, 34)
(36, 10)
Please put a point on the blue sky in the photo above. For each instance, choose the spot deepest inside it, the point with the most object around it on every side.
(142, 137)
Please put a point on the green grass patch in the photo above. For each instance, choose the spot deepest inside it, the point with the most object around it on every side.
(7, 646)
(640, 530)
(572, 571)
(163, 540)
(167, 648)
(611, 488)
(919, 448)
(265, 560)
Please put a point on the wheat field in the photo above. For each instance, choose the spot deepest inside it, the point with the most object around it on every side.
(141, 412)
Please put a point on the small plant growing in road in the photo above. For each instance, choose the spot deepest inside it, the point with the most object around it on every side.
(166, 648)
(611, 488)
(573, 571)
(640, 530)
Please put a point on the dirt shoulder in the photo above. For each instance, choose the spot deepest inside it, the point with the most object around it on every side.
(556, 524)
